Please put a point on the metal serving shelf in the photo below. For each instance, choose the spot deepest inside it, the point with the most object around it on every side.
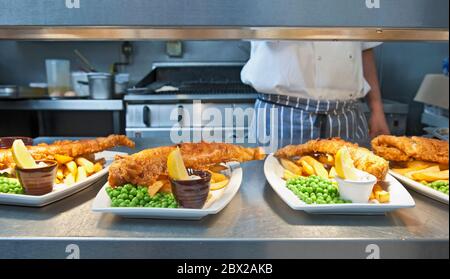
(256, 224)
(371, 20)
(113, 106)
(56, 105)
(190, 97)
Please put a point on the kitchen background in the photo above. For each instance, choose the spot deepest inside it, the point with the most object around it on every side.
(402, 67)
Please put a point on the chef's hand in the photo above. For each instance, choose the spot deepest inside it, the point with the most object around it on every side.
(378, 125)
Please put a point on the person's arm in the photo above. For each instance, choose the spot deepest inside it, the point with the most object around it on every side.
(377, 123)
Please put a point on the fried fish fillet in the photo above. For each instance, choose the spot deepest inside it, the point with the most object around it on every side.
(363, 158)
(402, 149)
(69, 148)
(144, 168)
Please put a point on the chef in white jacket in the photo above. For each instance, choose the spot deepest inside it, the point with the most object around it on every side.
(315, 90)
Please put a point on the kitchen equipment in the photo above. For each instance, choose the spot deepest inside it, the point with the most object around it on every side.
(58, 77)
(84, 61)
(193, 81)
(101, 86)
(80, 84)
(433, 93)
(8, 91)
(121, 84)
(193, 78)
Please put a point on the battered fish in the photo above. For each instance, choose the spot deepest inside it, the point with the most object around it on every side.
(402, 149)
(363, 158)
(68, 148)
(146, 167)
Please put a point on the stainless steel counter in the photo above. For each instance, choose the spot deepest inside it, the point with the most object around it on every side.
(40, 105)
(57, 105)
(256, 224)
(189, 97)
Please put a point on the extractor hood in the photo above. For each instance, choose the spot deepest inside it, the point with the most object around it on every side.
(370, 20)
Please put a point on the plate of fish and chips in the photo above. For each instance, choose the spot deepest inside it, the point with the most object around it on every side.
(308, 178)
(79, 164)
(187, 181)
(420, 163)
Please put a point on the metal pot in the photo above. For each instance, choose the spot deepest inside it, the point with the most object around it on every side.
(9, 91)
(101, 86)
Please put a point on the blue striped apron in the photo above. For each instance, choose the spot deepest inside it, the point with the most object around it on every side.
(300, 120)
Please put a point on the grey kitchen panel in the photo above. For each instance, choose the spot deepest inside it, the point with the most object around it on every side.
(349, 13)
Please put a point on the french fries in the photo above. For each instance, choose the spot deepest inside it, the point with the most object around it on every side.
(411, 168)
(431, 176)
(332, 173)
(219, 185)
(289, 175)
(218, 181)
(379, 194)
(69, 180)
(430, 169)
(319, 169)
(88, 165)
(308, 170)
(291, 166)
(326, 159)
(81, 174)
(166, 188)
(73, 170)
(419, 164)
(62, 159)
(154, 189)
(424, 172)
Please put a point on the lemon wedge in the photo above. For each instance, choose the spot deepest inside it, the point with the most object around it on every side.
(21, 156)
(344, 165)
(175, 166)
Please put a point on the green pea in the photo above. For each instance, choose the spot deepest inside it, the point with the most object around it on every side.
(140, 196)
(115, 193)
(133, 192)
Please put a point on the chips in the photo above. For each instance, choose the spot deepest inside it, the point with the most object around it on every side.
(73, 170)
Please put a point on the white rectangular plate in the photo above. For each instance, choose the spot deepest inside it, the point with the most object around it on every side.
(400, 198)
(60, 191)
(419, 187)
(221, 198)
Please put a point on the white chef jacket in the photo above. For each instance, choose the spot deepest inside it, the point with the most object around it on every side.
(310, 70)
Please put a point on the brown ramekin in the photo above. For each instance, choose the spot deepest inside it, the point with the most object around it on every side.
(38, 181)
(7, 142)
(192, 193)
